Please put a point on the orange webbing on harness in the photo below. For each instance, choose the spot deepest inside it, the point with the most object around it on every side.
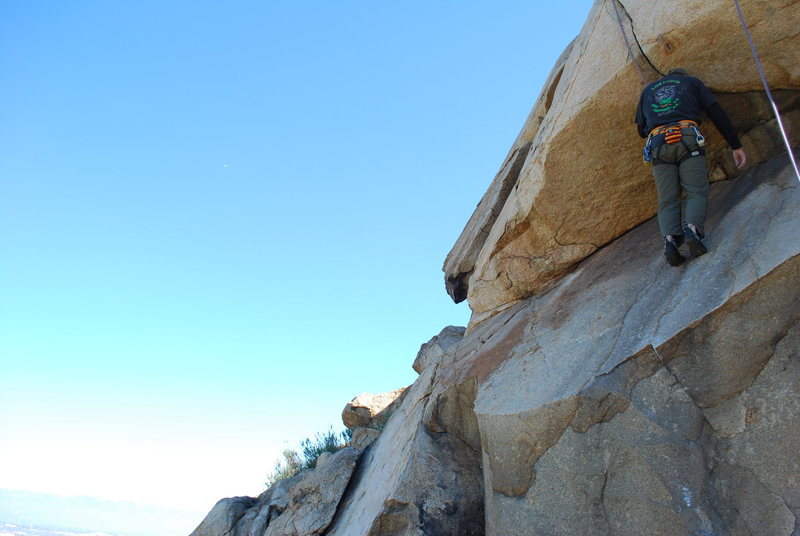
(671, 127)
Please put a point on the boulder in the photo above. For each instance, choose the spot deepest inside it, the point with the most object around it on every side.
(432, 351)
(371, 410)
(300, 505)
(312, 502)
(363, 437)
(414, 480)
(574, 180)
(269, 505)
(422, 478)
(224, 516)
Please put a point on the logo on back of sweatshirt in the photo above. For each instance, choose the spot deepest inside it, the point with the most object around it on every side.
(666, 97)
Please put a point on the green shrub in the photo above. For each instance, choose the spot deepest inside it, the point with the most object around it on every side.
(286, 468)
(327, 442)
(310, 450)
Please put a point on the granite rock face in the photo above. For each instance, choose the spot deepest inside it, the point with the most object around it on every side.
(416, 479)
(313, 501)
(637, 398)
(224, 516)
(574, 179)
(431, 353)
(631, 398)
(269, 505)
(301, 505)
(598, 391)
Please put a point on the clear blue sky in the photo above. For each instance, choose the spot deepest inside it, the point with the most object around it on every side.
(220, 221)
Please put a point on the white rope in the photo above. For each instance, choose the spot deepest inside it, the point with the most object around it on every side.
(766, 87)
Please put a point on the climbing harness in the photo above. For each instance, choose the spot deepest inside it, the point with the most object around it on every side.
(766, 87)
(669, 134)
(673, 131)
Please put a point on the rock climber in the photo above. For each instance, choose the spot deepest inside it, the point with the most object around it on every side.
(669, 116)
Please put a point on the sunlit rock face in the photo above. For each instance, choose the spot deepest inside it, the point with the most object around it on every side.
(298, 506)
(631, 398)
(371, 410)
(597, 390)
(574, 180)
(422, 475)
(224, 516)
(636, 398)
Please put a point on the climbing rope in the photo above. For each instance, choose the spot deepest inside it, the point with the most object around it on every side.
(628, 44)
(766, 87)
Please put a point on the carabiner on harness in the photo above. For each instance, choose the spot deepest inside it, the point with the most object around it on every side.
(647, 151)
(700, 139)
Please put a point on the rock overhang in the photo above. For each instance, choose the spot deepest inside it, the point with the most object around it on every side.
(582, 183)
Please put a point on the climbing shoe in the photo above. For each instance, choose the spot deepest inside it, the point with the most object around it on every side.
(674, 257)
(693, 237)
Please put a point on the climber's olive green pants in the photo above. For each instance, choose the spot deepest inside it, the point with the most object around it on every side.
(671, 177)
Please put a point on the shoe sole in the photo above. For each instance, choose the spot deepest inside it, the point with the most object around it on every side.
(674, 257)
(675, 260)
(696, 247)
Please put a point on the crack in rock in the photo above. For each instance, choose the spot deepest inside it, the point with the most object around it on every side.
(636, 38)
